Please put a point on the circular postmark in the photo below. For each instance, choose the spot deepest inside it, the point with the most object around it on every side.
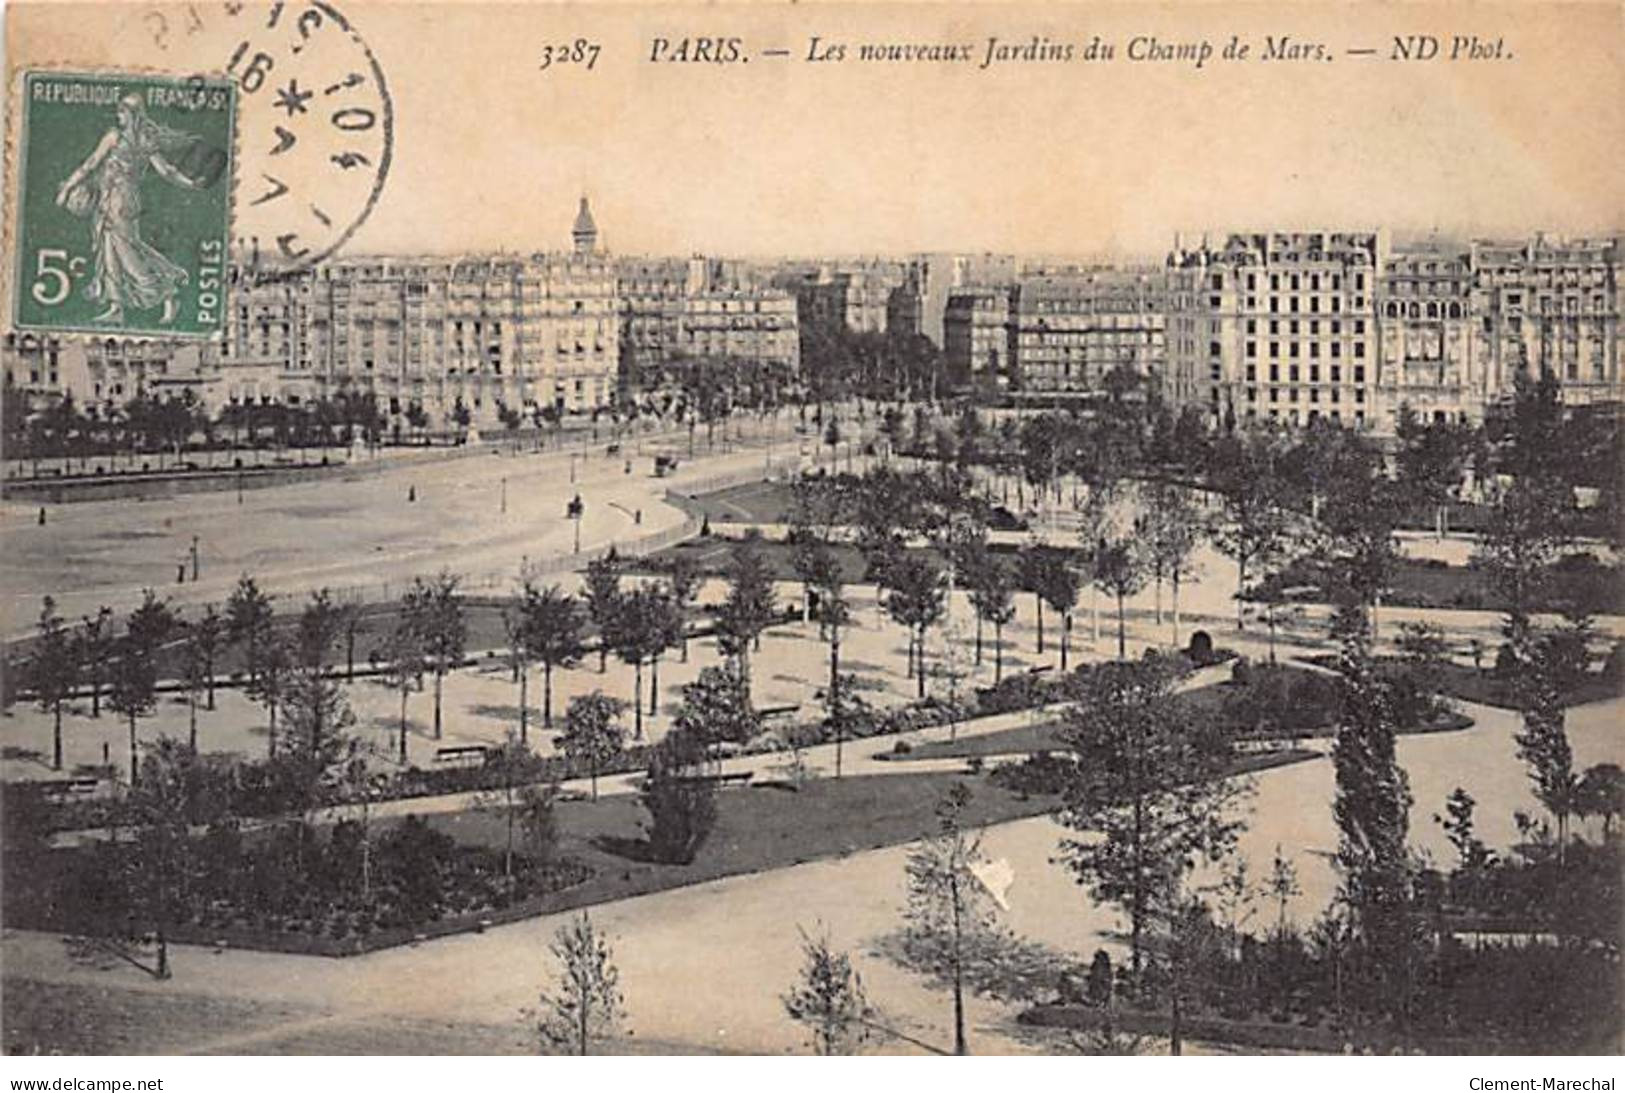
(315, 131)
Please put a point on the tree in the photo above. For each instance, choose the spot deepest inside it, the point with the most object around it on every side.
(993, 597)
(1372, 810)
(748, 609)
(1360, 519)
(586, 1004)
(1601, 792)
(195, 678)
(592, 734)
(642, 630)
(1035, 559)
(1120, 571)
(683, 578)
(1060, 591)
(828, 999)
(603, 594)
(248, 621)
(134, 689)
(1544, 743)
(1254, 527)
(915, 601)
(1523, 537)
(716, 708)
(206, 635)
(526, 809)
(317, 747)
(94, 649)
(680, 800)
(52, 670)
(268, 686)
(1152, 780)
(552, 624)
(436, 612)
(951, 928)
(157, 812)
(319, 626)
(1174, 530)
(403, 652)
(519, 658)
(1431, 461)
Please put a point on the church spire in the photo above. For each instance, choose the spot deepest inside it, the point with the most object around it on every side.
(585, 232)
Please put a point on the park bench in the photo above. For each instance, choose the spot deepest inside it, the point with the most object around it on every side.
(461, 755)
(777, 711)
(65, 788)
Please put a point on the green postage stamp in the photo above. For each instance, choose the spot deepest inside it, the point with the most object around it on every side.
(123, 213)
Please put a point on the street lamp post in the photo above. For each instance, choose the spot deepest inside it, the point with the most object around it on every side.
(194, 559)
(574, 512)
(504, 503)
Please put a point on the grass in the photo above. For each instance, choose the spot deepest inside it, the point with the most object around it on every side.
(1484, 687)
(1433, 584)
(759, 827)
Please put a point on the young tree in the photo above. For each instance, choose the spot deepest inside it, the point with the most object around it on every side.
(552, 624)
(716, 708)
(248, 622)
(134, 690)
(319, 626)
(828, 999)
(207, 634)
(1175, 529)
(403, 653)
(586, 1004)
(915, 601)
(1372, 810)
(317, 746)
(94, 648)
(194, 678)
(519, 659)
(603, 595)
(1432, 459)
(1360, 519)
(1254, 527)
(993, 597)
(1523, 538)
(1543, 744)
(680, 799)
(1151, 780)
(436, 612)
(1031, 575)
(1060, 591)
(269, 685)
(683, 578)
(667, 630)
(592, 734)
(52, 670)
(525, 808)
(156, 870)
(748, 610)
(1120, 571)
(951, 929)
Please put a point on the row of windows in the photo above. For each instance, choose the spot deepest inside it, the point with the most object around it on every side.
(1334, 375)
(1292, 349)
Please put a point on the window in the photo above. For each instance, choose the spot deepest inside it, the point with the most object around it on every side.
(1252, 349)
(1359, 373)
(1337, 371)
(1275, 349)
(1359, 349)
(1292, 373)
(1275, 372)
(1337, 349)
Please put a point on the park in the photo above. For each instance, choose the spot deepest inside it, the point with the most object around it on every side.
(739, 712)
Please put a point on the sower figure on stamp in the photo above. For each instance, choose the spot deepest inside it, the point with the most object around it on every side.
(128, 271)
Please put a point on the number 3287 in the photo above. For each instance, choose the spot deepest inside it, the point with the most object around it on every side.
(579, 52)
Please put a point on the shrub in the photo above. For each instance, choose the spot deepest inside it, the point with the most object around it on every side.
(682, 804)
(1200, 648)
(1040, 774)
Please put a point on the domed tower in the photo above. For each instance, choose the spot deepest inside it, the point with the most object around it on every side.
(585, 232)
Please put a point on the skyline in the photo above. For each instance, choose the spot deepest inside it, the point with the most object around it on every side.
(796, 158)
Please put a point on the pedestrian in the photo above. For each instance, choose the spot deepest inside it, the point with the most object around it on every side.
(411, 494)
(637, 517)
(42, 516)
(180, 573)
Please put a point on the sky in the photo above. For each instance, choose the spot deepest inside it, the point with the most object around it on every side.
(787, 156)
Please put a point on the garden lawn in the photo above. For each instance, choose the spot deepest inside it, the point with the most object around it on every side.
(759, 827)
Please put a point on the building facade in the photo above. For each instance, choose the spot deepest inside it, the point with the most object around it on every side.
(976, 340)
(1068, 332)
(1278, 326)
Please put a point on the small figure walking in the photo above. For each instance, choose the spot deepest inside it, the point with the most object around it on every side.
(411, 494)
(42, 516)
(180, 573)
(637, 517)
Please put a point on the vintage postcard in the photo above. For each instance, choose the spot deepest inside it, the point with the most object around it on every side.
(929, 528)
